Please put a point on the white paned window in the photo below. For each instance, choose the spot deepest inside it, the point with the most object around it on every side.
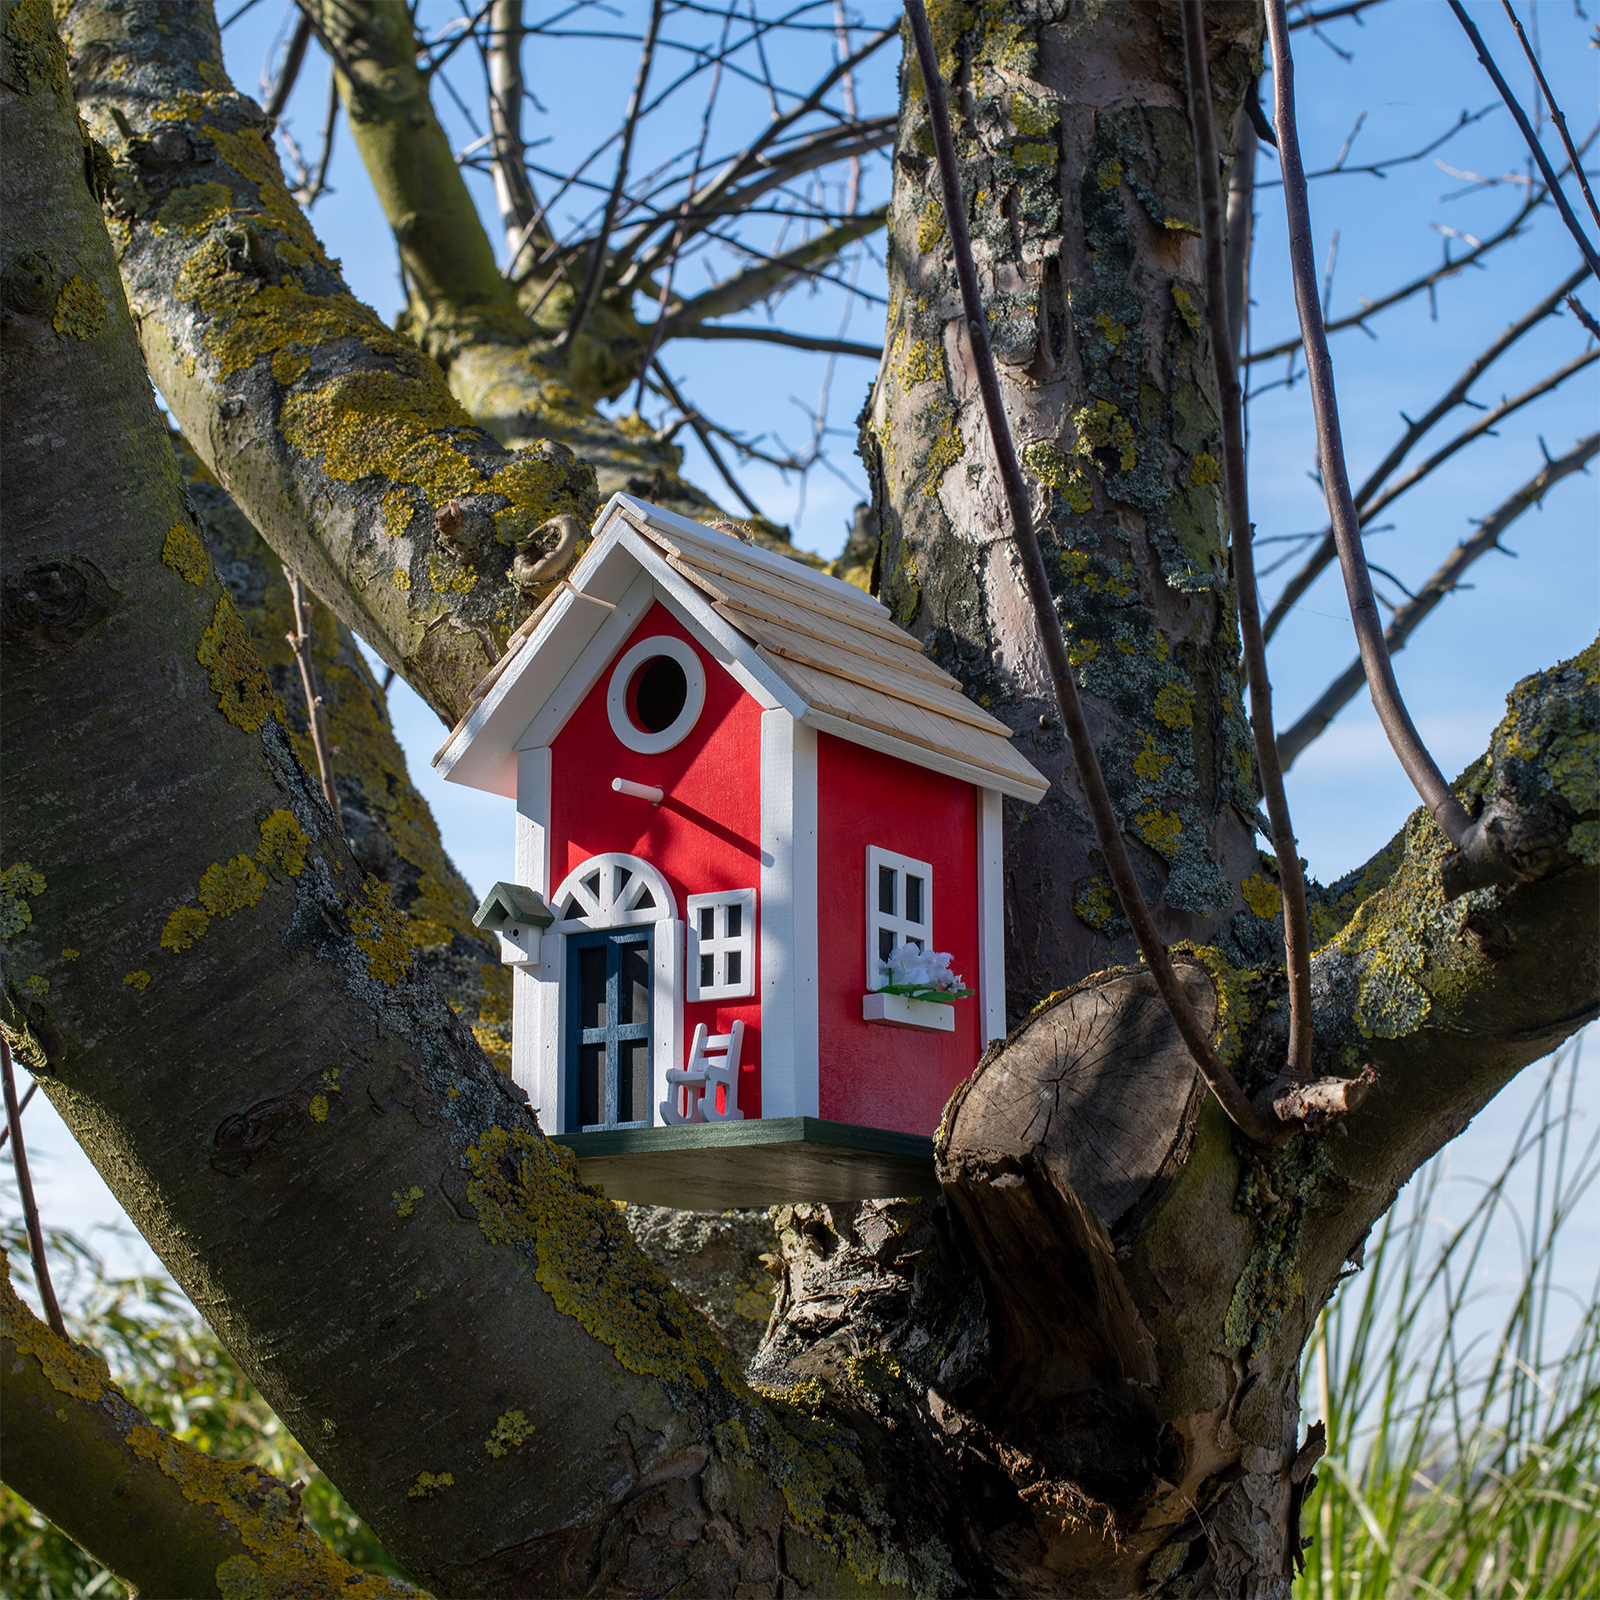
(899, 908)
(722, 944)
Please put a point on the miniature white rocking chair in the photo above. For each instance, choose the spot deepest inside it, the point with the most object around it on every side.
(713, 1063)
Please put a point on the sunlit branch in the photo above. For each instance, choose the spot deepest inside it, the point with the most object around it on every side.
(1409, 617)
(1454, 396)
(519, 207)
(1108, 828)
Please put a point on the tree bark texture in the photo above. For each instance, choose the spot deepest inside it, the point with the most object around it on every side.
(1075, 1372)
(1076, 163)
(389, 828)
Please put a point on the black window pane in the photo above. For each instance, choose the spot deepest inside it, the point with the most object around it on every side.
(592, 884)
(646, 901)
(735, 913)
(707, 969)
(592, 987)
(620, 881)
(591, 1084)
(886, 877)
(633, 997)
(732, 959)
(913, 898)
(633, 1081)
(708, 922)
(885, 943)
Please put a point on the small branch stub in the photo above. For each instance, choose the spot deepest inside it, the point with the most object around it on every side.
(1320, 1105)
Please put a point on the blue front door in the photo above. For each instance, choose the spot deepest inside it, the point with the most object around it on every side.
(608, 1028)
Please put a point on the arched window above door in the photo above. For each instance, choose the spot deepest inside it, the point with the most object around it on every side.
(612, 891)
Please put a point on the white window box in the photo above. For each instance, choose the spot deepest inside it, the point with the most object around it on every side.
(901, 1011)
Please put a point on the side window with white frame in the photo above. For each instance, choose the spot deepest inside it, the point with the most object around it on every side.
(722, 944)
(899, 908)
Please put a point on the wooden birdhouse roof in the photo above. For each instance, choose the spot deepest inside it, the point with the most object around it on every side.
(795, 638)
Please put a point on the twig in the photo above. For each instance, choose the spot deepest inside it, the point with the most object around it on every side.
(797, 341)
(1535, 149)
(1326, 550)
(1556, 114)
(597, 262)
(1577, 308)
(1311, 724)
(1419, 765)
(5, 1132)
(1232, 1098)
(300, 642)
(701, 432)
(30, 1209)
(1428, 281)
(292, 63)
(1291, 879)
(1241, 225)
(519, 207)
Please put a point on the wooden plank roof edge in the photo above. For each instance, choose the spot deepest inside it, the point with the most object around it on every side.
(955, 705)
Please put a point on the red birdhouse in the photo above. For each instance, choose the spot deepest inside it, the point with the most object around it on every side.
(756, 918)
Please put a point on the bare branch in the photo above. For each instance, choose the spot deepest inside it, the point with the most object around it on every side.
(1556, 114)
(22, 1105)
(1428, 280)
(300, 643)
(30, 1209)
(703, 434)
(1312, 19)
(1380, 168)
(1415, 430)
(597, 261)
(1407, 743)
(1108, 830)
(796, 341)
(1409, 617)
(1291, 878)
(519, 206)
(1590, 254)
(757, 283)
(292, 62)
(1577, 308)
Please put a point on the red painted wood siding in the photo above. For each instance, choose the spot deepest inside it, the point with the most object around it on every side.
(704, 836)
(871, 1075)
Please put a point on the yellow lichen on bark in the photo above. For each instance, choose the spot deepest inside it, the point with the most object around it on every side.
(185, 554)
(244, 692)
(80, 311)
(283, 843)
(379, 929)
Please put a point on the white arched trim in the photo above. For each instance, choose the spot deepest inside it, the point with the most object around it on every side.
(608, 891)
(612, 891)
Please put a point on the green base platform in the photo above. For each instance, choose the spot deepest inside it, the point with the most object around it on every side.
(762, 1162)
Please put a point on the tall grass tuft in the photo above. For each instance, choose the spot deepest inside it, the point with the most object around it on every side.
(1463, 1437)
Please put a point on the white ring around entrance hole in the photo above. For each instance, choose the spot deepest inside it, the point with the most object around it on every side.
(694, 675)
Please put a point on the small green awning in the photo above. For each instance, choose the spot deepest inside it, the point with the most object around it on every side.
(512, 905)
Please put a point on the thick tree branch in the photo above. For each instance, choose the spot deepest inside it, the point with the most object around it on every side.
(519, 207)
(164, 1517)
(1107, 826)
(339, 440)
(1314, 721)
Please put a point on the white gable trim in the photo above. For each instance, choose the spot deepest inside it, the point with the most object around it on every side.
(584, 673)
(920, 756)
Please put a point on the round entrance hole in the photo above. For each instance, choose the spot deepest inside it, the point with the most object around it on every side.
(658, 694)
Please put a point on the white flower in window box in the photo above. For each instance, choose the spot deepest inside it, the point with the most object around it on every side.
(917, 989)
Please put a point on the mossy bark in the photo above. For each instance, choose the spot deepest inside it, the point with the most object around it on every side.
(1073, 145)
